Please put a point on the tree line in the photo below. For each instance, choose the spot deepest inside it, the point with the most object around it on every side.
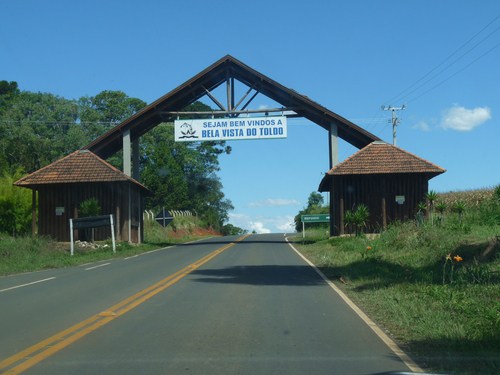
(37, 129)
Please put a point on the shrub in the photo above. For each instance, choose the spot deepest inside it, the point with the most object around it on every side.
(15, 207)
(89, 207)
(357, 219)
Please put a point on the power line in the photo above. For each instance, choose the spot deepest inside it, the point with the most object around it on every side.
(454, 74)
(61, 123)
(448, 66)
(411, 89)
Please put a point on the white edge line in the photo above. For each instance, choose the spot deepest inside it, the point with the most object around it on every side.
(148, 252)
(199, 239)
(100, 265)
(23, 285)
(378, 331)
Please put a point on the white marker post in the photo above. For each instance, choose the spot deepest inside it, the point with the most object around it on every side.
(91, 222)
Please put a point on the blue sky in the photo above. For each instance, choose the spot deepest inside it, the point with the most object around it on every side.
(439, 58)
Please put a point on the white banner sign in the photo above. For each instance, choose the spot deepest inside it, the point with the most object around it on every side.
(225, 129)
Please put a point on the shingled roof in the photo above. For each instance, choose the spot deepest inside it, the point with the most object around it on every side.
(81, 166)
(381, 158)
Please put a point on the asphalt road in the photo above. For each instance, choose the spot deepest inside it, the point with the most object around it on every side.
(211, 307)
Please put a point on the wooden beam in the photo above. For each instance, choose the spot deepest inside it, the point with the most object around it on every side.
(243, 98)
(33, 212)
(214, 99)
(248, 111)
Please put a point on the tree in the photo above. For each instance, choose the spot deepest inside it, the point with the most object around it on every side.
(39, 128)
(162, 170)
(8, 91)
(36, 129)
(315, 200)
(314, 206)
(15, 206)
(231, 230)
(98, 114)
(8, 88)
(183, 175)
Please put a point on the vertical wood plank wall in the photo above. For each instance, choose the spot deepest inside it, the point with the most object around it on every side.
(113, 198)
(378, 193)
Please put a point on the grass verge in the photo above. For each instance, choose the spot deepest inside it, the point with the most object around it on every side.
(435, 290)
(27, 254)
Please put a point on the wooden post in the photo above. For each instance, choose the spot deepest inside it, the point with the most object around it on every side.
(333, 153)
(33, 213)
(112, 232)
(333, 143)
(71, 239)
(135, 159)
(341, 209)
(384, 214)
(118, 223)
(333, 223)
(127, 153)
(75, 215)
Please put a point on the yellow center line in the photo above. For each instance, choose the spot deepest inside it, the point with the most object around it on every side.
(29, 357)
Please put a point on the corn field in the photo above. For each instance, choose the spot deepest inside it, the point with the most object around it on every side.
(470, 198)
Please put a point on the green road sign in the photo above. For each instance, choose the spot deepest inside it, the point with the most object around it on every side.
(319, 218)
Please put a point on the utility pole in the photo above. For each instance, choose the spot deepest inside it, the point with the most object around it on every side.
(395, 121)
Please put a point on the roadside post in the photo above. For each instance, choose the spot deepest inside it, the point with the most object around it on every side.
(319, 218)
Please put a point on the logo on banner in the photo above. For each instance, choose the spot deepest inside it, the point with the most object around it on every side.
(187, 131)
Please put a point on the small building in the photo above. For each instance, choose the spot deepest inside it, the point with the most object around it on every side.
(390, 181)
(60, 188)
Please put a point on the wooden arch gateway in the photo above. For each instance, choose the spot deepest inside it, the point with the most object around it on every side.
(225, 72)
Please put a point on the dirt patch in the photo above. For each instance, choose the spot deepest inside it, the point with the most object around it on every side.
(194, 232)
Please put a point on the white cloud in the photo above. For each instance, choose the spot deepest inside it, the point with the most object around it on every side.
(271, 202)
(463, 119)
(276, 224)
(422, 125)
(285, 224)
(258, 227)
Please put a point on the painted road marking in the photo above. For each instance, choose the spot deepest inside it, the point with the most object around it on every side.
(147, 252)
(23, 285)
(29, 357)
(375, 328)
(94, 267)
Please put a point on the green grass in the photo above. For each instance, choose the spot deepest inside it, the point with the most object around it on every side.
(27, 254)
(445, 313)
